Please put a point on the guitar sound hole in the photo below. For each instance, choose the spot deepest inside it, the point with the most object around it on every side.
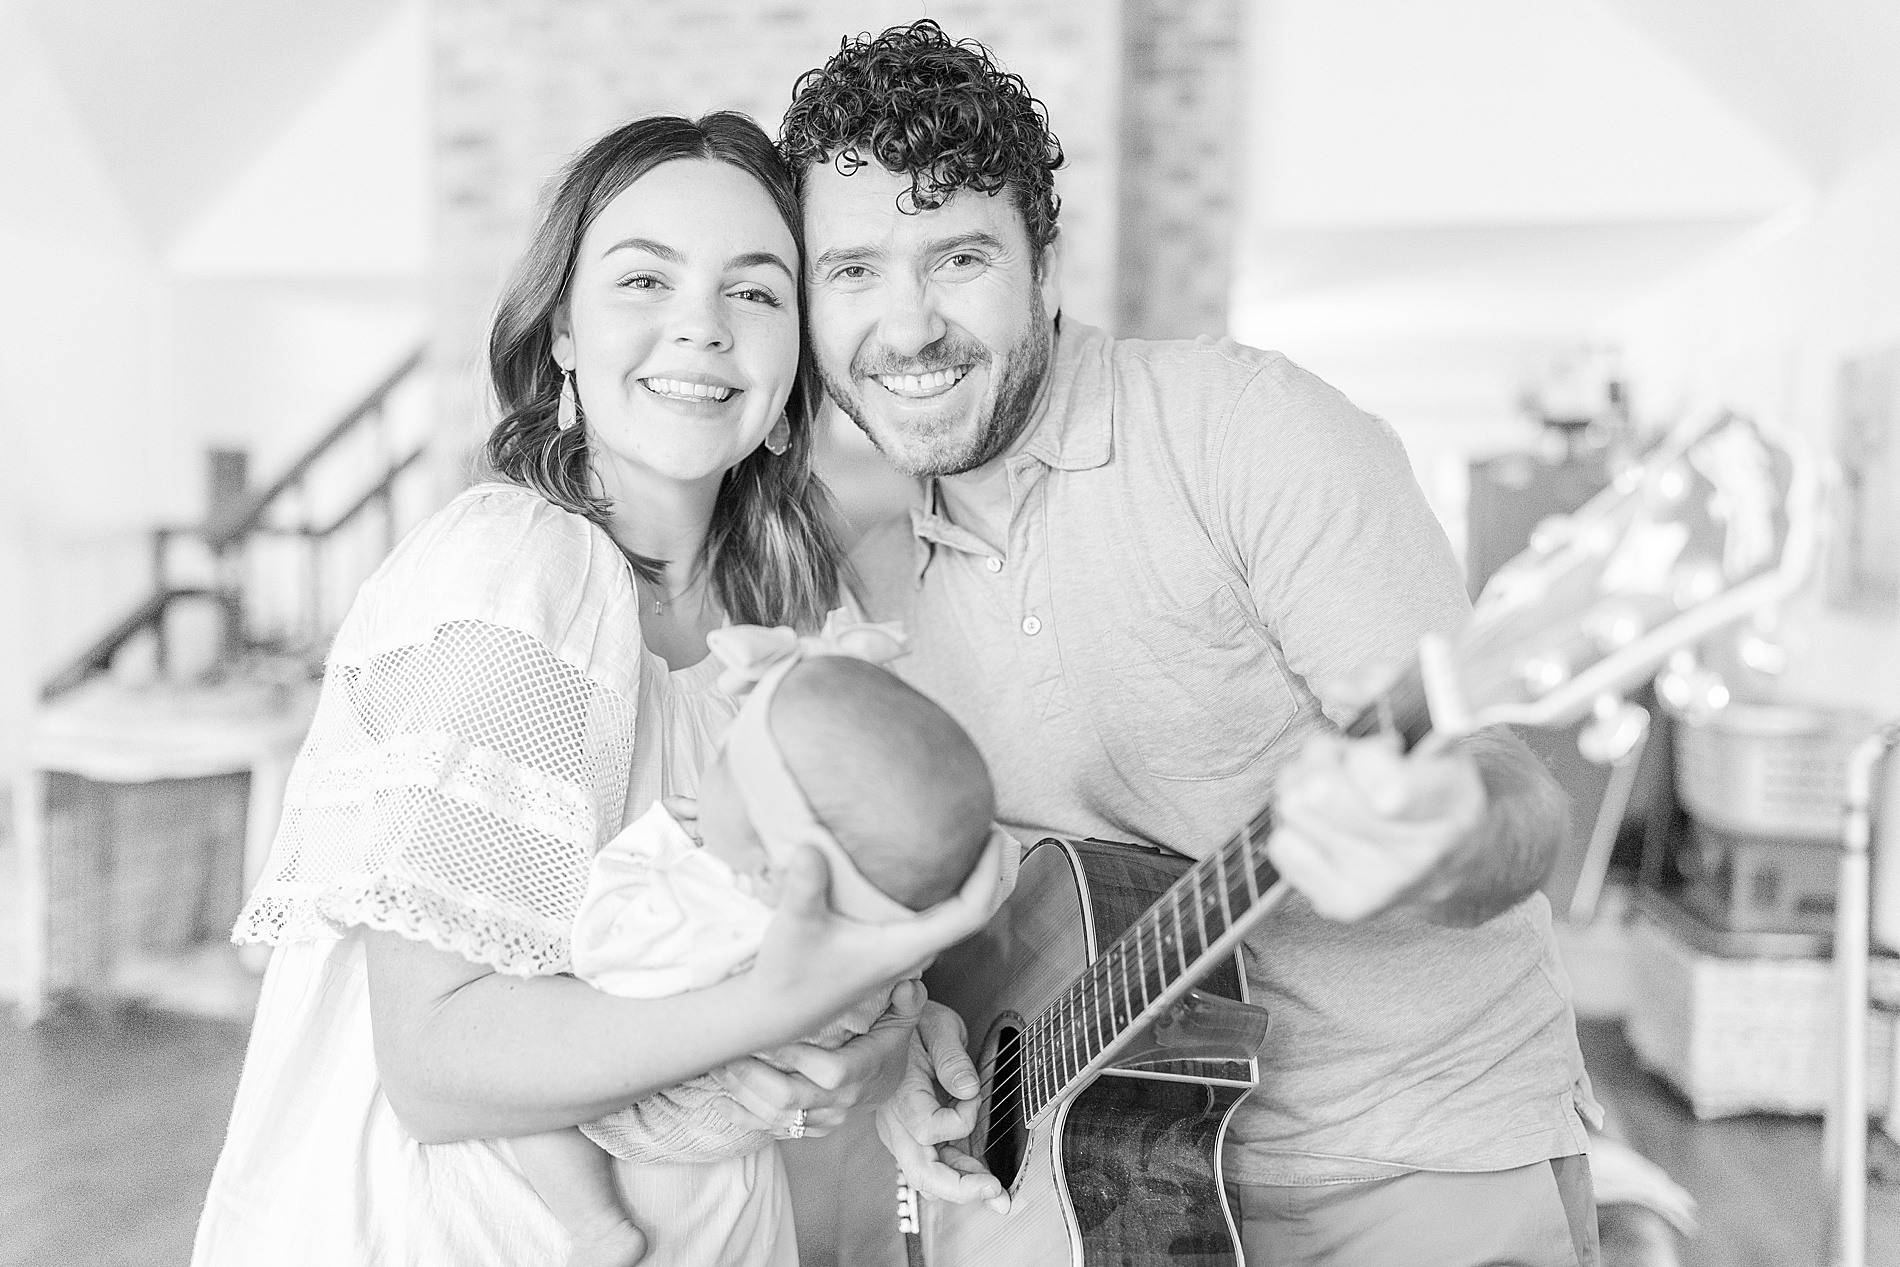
(1004, 1135)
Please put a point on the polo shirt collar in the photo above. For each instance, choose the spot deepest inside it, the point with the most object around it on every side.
(1073, 422)
(1071, 429)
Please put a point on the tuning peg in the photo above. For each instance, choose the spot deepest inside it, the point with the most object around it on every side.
(1761, 654)
(1673, 683)
(1544, 673)
(1695, 583)
(1615, 730)
(1551, 532)
(1690, 688)
(1613, 625)
(1668, 487)
(1758, 647)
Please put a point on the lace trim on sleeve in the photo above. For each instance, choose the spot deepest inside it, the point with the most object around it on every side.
(452, 792)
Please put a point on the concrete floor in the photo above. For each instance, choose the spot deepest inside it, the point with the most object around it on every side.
(109, 1126)
(110, 1123)
(111, 1120)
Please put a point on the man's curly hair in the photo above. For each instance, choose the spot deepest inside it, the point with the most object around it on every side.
(937, 109)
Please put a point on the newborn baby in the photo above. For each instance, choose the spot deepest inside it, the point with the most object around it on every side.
(829, 751)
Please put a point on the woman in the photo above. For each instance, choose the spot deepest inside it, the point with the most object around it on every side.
(527, 669)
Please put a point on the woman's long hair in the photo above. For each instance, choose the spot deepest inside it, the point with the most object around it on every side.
(773, 553)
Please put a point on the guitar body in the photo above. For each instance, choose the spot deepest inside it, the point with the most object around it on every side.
(1125, 1169)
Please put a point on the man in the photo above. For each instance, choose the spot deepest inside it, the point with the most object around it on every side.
(1133, 567)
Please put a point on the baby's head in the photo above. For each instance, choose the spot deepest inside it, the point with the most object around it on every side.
(892, 776)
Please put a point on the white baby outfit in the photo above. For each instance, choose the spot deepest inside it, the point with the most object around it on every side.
(488, 715)
(663, 916)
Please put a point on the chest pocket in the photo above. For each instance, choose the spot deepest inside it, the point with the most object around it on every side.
(1198, 691)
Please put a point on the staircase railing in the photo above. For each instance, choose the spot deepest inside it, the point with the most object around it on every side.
(227, 538)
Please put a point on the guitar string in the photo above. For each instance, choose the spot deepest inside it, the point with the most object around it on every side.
(1060, 1014)
(1035, 1084)
(1032, 1090)
(1102, 971)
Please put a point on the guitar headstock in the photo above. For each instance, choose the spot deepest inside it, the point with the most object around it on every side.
(1719, 519)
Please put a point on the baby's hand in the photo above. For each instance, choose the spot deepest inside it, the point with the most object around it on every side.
(686, 810)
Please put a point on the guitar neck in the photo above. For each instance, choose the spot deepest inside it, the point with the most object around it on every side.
(1200, 919)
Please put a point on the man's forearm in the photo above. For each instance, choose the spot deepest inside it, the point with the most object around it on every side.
(1527, 818)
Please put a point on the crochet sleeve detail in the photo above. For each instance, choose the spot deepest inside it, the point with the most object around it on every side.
(451, 791)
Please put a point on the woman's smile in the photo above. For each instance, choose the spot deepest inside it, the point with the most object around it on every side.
(690, 390)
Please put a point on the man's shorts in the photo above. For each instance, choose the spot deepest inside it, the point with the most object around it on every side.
(1543, 1215)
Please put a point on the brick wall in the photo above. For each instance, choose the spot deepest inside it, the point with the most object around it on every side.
(521, 84)
(1179, 166)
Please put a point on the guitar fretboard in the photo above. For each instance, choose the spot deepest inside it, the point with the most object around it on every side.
(1150, 965)
(1171, 944)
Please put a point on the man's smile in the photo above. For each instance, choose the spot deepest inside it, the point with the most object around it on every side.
(922, 386)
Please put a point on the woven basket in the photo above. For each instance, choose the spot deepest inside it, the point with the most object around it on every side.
(1768, 770)
(1745, 1035)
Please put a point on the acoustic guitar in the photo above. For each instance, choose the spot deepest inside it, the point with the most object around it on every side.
(1108, 999)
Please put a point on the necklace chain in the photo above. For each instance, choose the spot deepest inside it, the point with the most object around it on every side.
(661, 602)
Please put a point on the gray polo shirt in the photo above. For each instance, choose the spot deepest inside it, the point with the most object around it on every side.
(1197, 531)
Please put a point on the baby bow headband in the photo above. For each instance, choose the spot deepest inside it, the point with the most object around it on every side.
(757, 659)
(750, 652)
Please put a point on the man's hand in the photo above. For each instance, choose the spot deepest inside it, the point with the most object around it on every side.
(923, 1134)
(1360, 827)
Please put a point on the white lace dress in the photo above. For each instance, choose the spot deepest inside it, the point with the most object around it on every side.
(488, 717)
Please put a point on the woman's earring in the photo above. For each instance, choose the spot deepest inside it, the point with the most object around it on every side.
(779, 438)
(570, 411)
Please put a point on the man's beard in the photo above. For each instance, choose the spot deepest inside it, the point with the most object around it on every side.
(1024, 367)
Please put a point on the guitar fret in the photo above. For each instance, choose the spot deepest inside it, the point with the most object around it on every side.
(1200, 908)
(1071, 1048)
(1226, 912)
(1057, 1068)
(1253, 884)
(1045, 1058)
(1054, 1073)
(1120, 1009)
(1031, 1069)
(1036, 1070)
(1160, 943)
(1095, 1009)
(1080, 1019)
(1180, 932)
(1074, 1050)
(1141, 967)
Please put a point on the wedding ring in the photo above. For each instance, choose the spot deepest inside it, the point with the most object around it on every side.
(797, 1129)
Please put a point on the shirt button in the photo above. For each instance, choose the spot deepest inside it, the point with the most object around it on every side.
(1031, 626)
(994, 565)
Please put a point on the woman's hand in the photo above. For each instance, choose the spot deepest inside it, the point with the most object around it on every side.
(819, 963)
(813, 955)
(767, 1093)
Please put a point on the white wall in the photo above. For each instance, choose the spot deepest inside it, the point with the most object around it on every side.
(294, 288)
(1764, 327)
(90, 440)
(301, 283)
(1443, 199)
(1391, 112)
